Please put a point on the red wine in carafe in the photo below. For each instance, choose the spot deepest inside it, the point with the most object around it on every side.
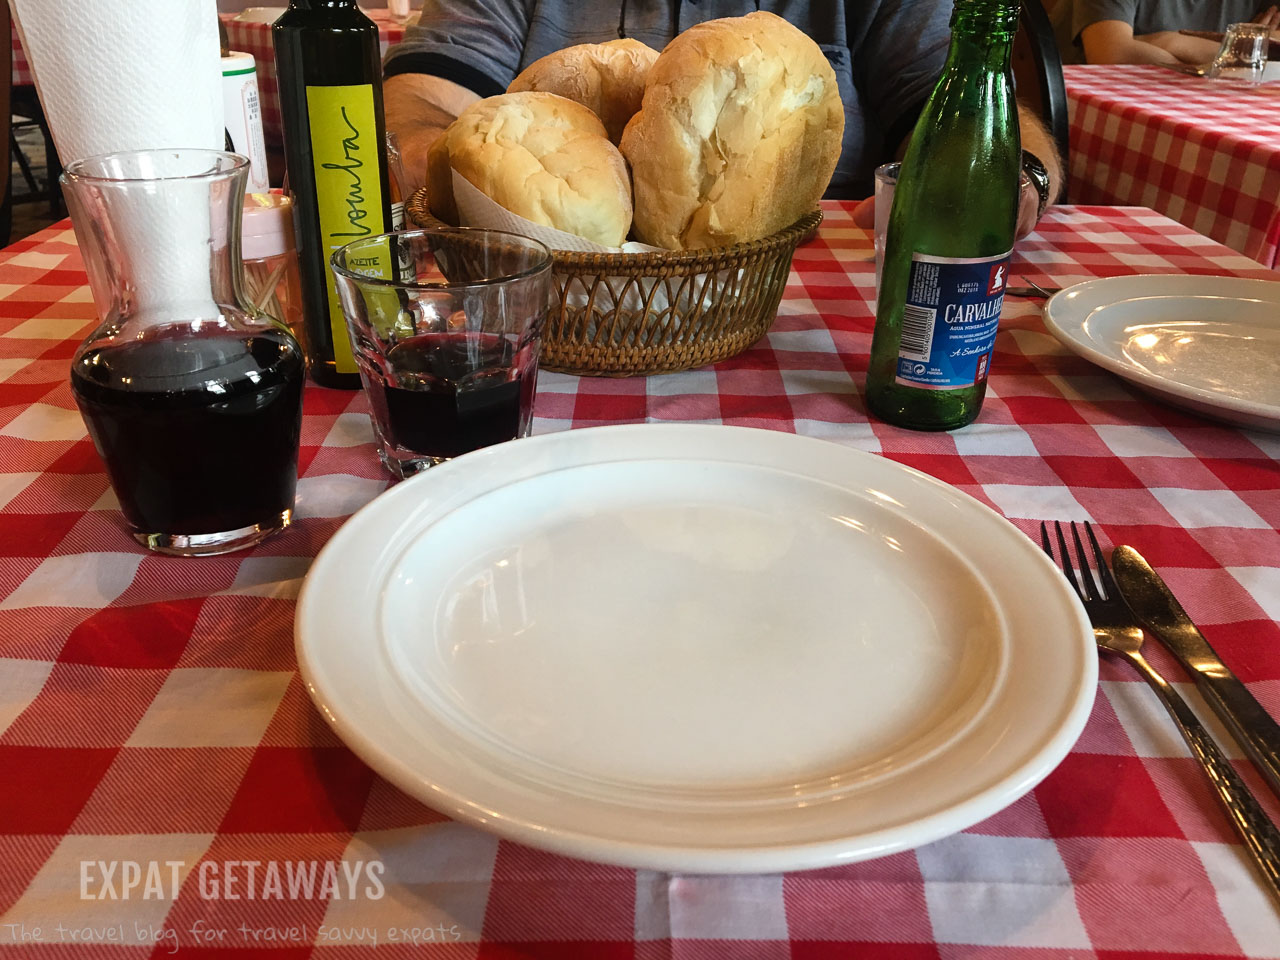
(199, 434)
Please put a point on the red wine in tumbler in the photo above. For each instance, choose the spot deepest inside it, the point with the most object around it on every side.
(448, 393)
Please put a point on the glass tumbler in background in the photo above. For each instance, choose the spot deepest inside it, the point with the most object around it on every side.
(446, 327)
(1243, 54)
(886, 181)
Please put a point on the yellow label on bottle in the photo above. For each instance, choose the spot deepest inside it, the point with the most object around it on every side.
(345, 158)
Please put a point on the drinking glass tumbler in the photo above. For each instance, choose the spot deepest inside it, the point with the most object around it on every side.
(1243, 54)
(445, 325)
(886, 182)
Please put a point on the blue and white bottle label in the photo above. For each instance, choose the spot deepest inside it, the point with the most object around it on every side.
(949, 320)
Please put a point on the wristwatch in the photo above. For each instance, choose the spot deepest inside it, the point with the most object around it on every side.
(1037, 175)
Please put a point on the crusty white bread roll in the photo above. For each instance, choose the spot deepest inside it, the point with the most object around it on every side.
(608, 78)
(542, 157)
(738, 134)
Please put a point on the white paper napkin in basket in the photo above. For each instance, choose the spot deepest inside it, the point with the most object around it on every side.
(477, 210)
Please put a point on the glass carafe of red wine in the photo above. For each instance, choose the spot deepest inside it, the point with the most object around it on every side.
(193, 400)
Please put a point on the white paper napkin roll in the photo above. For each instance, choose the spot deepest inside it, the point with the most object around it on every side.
(118, 75)
(125, 74)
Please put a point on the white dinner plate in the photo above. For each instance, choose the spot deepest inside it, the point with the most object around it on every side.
(696, 648)
(1207, 344)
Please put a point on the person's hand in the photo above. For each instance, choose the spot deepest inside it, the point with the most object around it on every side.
(1270, 18)
(415, 142)
(418, 109)
(864, 213)
(1028, 205)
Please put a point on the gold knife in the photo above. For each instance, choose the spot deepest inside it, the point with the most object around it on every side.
(1154, 604)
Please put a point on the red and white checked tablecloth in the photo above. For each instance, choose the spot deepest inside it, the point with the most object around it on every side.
(255, 38)
(151, 711)
(1203, 152)
(21, 69)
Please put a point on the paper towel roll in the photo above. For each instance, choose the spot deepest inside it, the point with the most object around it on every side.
(123, 75)
(157, 217)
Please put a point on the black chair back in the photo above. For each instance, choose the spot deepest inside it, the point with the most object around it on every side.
(6, 122)
(1037, 68)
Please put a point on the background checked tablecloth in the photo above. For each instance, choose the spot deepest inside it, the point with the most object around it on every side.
(151, 711)
(21, 69)
(1203, 152)
(253, 37)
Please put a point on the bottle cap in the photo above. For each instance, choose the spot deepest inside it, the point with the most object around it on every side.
(236, 62)
(267, 227)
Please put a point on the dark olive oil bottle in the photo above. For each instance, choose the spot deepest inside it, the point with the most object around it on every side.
(330, 77)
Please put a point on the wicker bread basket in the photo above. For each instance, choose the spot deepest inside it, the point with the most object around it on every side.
(635, 314)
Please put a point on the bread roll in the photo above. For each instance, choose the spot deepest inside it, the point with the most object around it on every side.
(738, 134)
(542, 157)
(608, 78)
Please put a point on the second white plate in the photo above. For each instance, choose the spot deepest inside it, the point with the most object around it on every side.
(1206, 344)
(696, 648)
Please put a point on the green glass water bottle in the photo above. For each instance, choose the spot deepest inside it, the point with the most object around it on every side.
(330, 77)
(950, 234)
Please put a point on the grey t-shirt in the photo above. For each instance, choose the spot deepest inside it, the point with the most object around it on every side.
(887, 54)
(1147, 16)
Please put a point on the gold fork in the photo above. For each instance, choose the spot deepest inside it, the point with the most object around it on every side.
(1116, 630)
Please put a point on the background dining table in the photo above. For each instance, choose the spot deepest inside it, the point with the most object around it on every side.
(151, 708)
(21, 69)
(254, 36)
(1203, 152)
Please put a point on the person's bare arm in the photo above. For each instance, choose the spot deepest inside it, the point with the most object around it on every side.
(418, 108)
(1112, 41)
(1186, 48)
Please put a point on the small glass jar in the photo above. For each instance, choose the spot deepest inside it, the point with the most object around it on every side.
(271, 279)
(398, 11)
(396, 182)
